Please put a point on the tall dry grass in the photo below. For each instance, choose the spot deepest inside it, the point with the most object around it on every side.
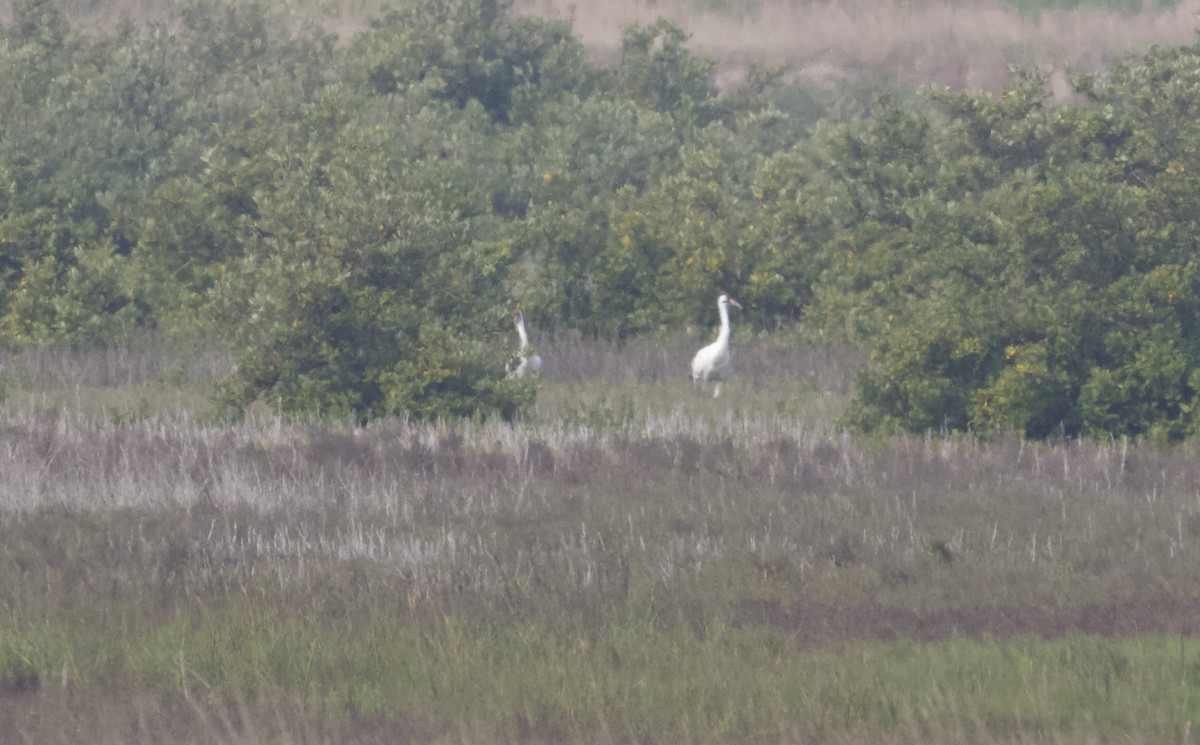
(514, 582)
(144, 360)
(963, 45)
(658, 475)
(760, 364)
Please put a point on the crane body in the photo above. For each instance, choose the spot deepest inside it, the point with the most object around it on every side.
(529, 362)
(714, 362)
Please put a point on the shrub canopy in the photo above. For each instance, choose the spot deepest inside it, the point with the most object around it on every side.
(1014, 262)
(358, 216)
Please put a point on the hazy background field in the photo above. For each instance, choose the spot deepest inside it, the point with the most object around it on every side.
(958, 44)
(963, 45)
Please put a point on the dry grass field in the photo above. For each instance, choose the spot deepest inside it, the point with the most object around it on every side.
(964, 45)
(634, 562)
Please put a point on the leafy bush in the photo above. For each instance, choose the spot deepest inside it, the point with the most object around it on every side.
(345, 285)
(1021, 264)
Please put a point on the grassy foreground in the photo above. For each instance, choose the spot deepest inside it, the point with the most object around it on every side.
(627, 681)
(636, 562)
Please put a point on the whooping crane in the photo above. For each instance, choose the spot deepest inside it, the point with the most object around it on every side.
(529, 359)
(713, 362)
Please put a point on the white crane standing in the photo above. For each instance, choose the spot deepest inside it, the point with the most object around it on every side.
(713, 362)
(529, 359)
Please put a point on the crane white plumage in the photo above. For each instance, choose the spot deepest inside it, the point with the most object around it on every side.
(529, 359)
(714, 362)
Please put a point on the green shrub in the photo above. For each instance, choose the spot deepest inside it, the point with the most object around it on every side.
(1020, 264)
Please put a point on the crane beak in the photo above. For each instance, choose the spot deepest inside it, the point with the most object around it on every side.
(735, 303)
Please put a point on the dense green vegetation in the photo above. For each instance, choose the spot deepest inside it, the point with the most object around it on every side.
(355, 216)
(1016, 263)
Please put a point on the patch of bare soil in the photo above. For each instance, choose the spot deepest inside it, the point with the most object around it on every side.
(824, 625)
(962, 45)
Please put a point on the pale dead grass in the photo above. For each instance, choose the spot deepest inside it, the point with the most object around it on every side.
(961, 45)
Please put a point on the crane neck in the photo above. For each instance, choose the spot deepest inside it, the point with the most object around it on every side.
(521, 332)
(723, 335)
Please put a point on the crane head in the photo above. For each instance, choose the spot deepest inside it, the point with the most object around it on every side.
(725, 299)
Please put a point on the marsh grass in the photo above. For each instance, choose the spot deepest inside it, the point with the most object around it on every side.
(635, 560)
(150, 358)
(527, 683)
(147, 375)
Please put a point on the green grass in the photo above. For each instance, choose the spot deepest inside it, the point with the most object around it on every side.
(632, 679)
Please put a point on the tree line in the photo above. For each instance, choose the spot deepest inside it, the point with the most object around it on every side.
(356, 217)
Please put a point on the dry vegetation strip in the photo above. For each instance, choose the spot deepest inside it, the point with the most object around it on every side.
(816, 533)
(964, 45)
